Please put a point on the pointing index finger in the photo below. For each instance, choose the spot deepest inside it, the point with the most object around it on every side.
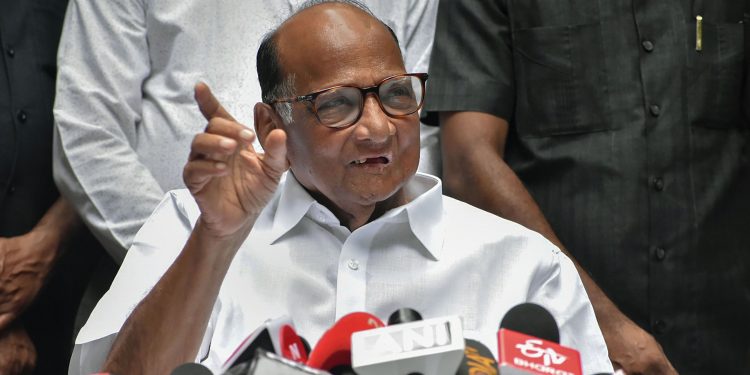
(208, 104)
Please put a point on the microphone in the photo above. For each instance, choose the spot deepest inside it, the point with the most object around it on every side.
(477, 360)
(333, 351)
(533, 320)
(404, 315)
(266, 363)
(528, 344)
(191, 369)
(275, 336)
(432, 346)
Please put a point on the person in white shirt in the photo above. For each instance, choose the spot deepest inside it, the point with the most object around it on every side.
(124, 111)
(350, 227)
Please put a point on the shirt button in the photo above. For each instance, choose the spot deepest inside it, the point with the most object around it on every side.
(11, 190)
(648, 45)
(657, 183)
(10, 51)
(353, 264)
(21, 116)
(655, 110)
(660, 254)
(659, 326)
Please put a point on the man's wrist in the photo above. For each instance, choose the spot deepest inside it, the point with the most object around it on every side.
(209, 240)
(44, 245)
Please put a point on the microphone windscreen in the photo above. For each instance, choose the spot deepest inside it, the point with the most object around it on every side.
(478, 360)
(404, 315)
(335, 346)
(533, 320)
(191, 369)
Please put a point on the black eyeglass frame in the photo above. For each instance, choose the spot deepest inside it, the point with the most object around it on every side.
(310, 98)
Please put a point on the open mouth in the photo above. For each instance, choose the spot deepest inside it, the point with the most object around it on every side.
(375, 160)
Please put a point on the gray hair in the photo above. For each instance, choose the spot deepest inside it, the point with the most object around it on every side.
(283, 90)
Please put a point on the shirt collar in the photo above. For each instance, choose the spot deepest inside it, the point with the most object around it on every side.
(424, 212)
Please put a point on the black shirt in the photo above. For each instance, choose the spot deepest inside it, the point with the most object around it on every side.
(29, 33)
(634, 144)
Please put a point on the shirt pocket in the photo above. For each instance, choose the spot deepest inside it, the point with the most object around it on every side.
(715, 74)
(561, 80)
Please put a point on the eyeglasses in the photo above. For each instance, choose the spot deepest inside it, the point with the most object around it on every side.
(341, 106)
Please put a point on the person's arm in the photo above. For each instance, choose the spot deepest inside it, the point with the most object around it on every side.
(231, 184)
(26, 260)
(474, 171)
(103, 61)
(17, 352)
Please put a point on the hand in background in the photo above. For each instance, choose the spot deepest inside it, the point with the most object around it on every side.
(25, 262)
(229, 180)
(635, 351)
(17, 352)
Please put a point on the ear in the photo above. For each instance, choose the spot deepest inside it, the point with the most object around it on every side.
(266, 119)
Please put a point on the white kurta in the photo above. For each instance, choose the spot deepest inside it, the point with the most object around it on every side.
(434, 254)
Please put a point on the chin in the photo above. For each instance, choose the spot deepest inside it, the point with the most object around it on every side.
(378, 191)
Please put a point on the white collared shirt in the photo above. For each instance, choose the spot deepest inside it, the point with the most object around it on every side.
(434, 254)
(124, 108)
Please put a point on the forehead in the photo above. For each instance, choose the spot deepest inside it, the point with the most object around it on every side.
(334, 44)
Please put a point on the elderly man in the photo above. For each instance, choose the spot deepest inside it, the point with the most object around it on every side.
(349, 228)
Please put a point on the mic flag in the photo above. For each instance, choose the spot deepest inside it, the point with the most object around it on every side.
(523, 354)
(528, 344)
(432, 346)
(275, 336)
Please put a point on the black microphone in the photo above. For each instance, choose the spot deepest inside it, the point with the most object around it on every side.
(533, 320)
(404, 315)
(191, 369)
(478, 360)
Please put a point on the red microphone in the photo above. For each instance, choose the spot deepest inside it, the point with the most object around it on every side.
(290, 345)
(522, 348)
(335, 346)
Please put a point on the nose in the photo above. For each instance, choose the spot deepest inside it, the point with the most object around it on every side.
(374, 126)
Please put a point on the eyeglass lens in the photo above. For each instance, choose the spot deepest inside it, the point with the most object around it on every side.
(341, 106)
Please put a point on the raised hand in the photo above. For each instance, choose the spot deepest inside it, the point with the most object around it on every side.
(229, 180)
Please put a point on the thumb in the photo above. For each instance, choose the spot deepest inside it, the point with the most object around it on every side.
(274, 157)
(208, 104)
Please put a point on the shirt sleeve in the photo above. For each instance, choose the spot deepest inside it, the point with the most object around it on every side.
(103, 61)
(558, 288)
(471, 67)
(154, 249)
(420, 30)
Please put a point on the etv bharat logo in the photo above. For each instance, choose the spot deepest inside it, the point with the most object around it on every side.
(532, 349)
